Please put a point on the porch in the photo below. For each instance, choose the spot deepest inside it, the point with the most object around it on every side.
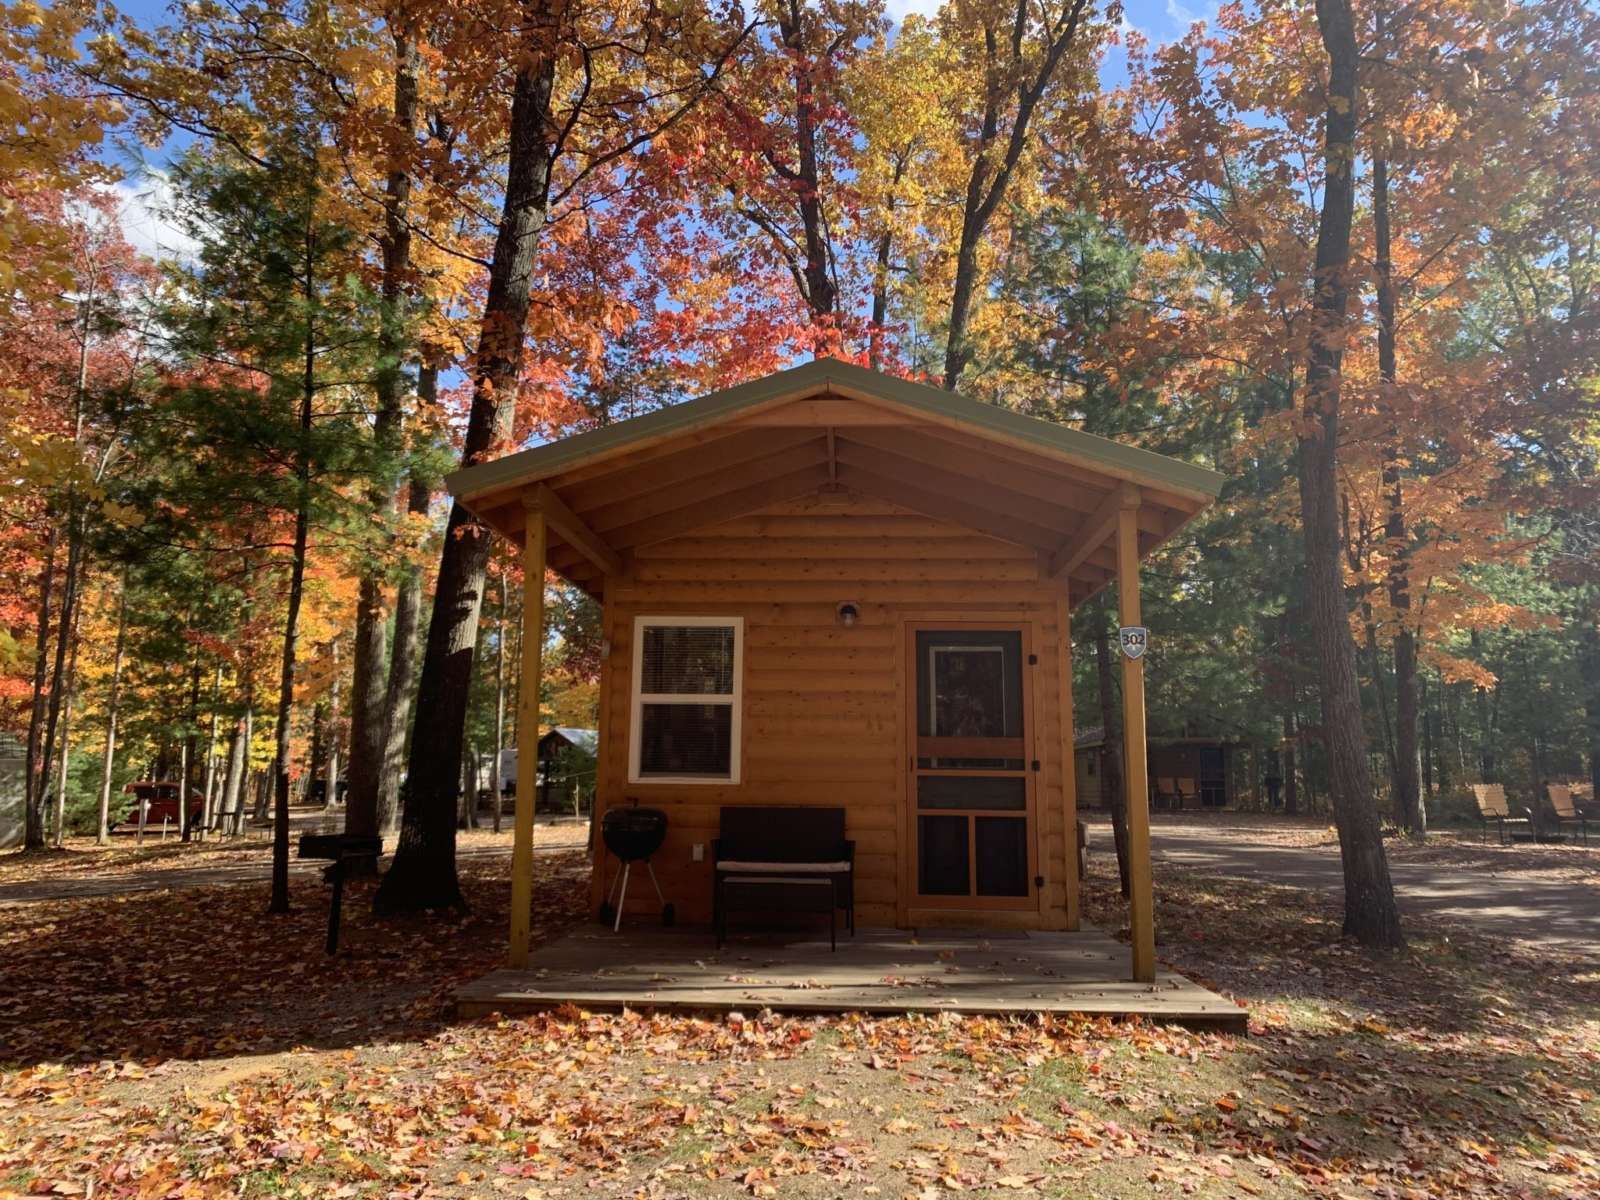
(878, 971)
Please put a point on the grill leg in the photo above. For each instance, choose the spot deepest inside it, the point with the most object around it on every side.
(622, 899)
(659, 895)
(833, 915)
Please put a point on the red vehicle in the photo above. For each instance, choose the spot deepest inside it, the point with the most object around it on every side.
(160, 802)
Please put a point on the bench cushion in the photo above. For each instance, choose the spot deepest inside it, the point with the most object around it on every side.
(817, 868)
(784, 880)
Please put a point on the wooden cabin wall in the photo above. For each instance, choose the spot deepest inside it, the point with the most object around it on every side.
(824, 705)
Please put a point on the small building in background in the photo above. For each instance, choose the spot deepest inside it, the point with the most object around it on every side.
(13, 776)
(567, 766)
(1198, 772)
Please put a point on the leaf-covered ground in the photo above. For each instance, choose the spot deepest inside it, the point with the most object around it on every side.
(82, 860)
(182, 1043)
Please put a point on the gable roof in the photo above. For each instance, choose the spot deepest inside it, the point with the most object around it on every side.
(587, 740)
(826, 377)
(830, 426)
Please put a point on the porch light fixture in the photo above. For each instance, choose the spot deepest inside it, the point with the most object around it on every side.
(849, 614)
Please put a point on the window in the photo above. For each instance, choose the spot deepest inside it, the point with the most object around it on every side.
(687, 675)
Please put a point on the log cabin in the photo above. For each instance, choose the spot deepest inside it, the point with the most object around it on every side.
(832, 586)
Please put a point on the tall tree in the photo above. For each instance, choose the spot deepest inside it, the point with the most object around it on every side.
(628, 91)
(276, 335)
(1370, 913)
(369, 690)
(1022, 50)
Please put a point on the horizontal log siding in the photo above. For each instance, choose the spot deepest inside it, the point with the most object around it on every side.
(824, 706)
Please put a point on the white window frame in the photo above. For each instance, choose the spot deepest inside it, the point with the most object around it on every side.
(640, 699)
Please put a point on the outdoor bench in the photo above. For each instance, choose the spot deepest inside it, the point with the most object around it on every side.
(783, 860)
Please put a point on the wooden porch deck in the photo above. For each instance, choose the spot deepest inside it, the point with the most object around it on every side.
(880, 971)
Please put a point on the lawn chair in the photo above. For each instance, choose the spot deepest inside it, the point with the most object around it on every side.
(1493, 809)
(1166, 794)
(1187, 790)
(1566, 812)
(1583, 799)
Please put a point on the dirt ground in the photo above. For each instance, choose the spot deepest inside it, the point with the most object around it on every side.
(181, 1043)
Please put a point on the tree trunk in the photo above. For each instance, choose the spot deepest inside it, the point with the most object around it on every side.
(108, 762)
(1370, 914)
(1111, 752)
(208, 813)
(190, 759)
(817, 271)
(469, 789)
(403, 649)
(1480, 695)
(1291, 764)
(66, 753)
(330, 778)
(368, 689)
(67, 623)
(231, 810)
(883, 258)
(66, 629)
(987, 181)
(33, 784)
(1591, 703)
(1408, 797)
(279, 902)
(1375, 663)
(423, 873)
(70, 691)
(1430, 739)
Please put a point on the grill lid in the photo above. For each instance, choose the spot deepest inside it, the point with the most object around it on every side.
(632, 832)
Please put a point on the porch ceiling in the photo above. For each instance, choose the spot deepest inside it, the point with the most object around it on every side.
(828, 425)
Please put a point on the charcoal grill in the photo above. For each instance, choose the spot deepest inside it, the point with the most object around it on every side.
(632, 834)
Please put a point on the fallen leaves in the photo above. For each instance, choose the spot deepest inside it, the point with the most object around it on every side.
(184, 1045)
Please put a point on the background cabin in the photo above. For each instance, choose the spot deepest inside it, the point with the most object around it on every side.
(1213, 771)
(567, 757)
(13, 781)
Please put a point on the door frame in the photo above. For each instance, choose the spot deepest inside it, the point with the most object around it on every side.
(910, 899)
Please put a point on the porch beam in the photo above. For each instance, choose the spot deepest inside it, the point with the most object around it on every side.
(570, 528)
(724, 507)
(1095, 531)
(1003, 504)
(534, 540)
(667, 471)
(943, 506)
(707, 488)
(1069, 764)
(1135, 767)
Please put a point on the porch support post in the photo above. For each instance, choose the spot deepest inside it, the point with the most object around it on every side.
(1141, 899)
(533, 560)
(1069, 769)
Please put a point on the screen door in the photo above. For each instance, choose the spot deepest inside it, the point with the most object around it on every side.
(971, 787)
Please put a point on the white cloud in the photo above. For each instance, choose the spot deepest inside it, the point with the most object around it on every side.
(1183, 16)
(899, 10)
(144, 207)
